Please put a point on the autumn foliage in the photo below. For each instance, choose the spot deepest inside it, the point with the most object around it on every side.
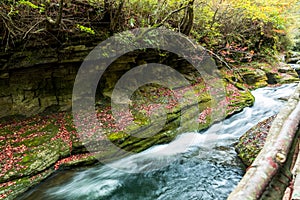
(245, 29)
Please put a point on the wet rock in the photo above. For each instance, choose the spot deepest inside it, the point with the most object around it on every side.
(286, 98)
(254, 77)
(286, 69)
(48, 148)
(253, 140)
(293, 57)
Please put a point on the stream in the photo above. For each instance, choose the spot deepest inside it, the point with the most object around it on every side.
(203, 165)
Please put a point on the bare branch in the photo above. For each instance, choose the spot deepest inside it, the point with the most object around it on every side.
(59, 16)
(31, 28)
(11, 22)
(169, 15)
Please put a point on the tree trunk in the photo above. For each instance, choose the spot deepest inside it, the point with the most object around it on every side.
(188, 19)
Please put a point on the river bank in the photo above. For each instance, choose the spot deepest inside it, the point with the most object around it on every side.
(32, 148)
(205, 165)
(40, 145)
(251, 143)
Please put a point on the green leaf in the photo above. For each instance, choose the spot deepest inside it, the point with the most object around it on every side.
(86, 29)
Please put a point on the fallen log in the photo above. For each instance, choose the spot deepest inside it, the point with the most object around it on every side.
(274, 153)
(295, 190)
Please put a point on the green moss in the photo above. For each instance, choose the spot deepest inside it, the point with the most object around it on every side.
(28, 133)
(278, 77)
(251, 143)
(23, 184)
(173, 115)
(117, 136)
(36, 141)
(26, 159)
(51, 128)
(205, 125)
(80, 162)
(260, 84)
(140, 118)
(6, 131)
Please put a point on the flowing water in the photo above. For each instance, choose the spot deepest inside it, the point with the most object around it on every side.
(200, 165)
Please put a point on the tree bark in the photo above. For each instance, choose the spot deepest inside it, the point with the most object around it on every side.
(188, 19)
(57, 21)
(115, 16)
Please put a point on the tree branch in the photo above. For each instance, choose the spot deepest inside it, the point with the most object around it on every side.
(155, 26)
(59, 16)
(187, 21)
(61, 6)
(11, 22)
(116, 16)
(32, 27)
(169, 15)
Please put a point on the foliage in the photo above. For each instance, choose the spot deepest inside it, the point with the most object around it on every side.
(251, 143)
(44, 19)
(243, 30)
(238, 30)
(86, 29)
(28, 3)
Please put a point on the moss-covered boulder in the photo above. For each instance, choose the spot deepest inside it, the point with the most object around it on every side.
(251, 143)
(12, 189)
(254, 77)
(278, 72)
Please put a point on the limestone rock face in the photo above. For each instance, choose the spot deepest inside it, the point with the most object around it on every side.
(41, 78)
(32, 90)
(37, 80)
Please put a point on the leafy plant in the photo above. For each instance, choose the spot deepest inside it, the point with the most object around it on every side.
(239, 30)
(86, 29)
(28, 3)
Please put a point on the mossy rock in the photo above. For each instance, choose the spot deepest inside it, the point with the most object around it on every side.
(251, 143)
(256, 77)
(15, 188)
(117, 136)
(38, 160)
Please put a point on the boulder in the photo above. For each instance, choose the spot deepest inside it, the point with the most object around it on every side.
(255, 77)
(253, 140)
